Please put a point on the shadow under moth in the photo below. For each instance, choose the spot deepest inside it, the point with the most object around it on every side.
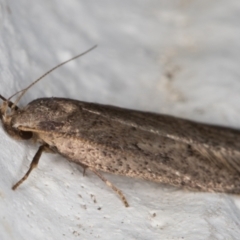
(145, 145)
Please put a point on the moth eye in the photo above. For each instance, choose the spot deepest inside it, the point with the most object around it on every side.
(25, 135)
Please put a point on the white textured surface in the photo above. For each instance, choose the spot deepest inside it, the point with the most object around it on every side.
(176, 57)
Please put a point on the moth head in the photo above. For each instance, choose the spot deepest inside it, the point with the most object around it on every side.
(3, 109)
(7, 111)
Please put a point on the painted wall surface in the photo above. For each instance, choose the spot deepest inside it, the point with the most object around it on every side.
(176, 57)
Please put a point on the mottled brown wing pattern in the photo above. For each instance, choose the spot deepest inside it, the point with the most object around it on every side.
(218, 144)
(138, 144)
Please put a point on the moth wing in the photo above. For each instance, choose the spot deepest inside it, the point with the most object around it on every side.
(131, 130)
(220, 145)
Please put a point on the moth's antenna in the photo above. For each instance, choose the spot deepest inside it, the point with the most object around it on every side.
(23, 91)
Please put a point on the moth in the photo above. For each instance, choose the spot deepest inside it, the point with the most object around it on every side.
(150, 146)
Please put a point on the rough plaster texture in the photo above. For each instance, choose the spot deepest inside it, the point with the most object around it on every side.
(175, 57)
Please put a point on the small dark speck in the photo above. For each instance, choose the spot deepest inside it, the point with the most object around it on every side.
(104, 153)
(93, 198)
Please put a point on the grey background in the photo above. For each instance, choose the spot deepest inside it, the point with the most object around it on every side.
(174, 57)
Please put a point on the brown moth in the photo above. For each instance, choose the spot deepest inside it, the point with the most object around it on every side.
(144, 145)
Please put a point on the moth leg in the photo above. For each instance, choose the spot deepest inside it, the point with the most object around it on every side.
(115, 189)
(84, 168)
(34, 163)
